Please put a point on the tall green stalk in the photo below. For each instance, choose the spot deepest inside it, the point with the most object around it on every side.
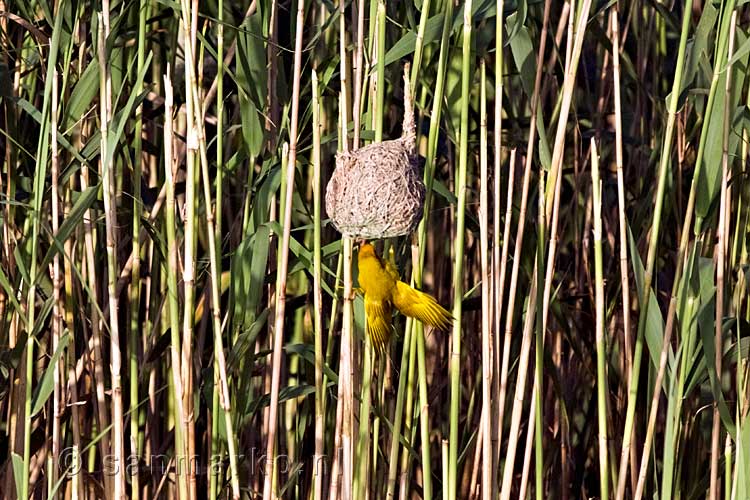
(135, 285)
(498, 282)
(215, 458)
(651, 257)
(539, 343)
(486, 423)
(602, 391)
(380, 71)
(108, 174)
(320, 402)
(172, 290)
(458, 268)
(40, 175)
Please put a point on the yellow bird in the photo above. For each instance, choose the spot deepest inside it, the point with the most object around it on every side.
(383, 290)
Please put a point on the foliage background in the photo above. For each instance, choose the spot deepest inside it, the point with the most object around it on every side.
(170, 286)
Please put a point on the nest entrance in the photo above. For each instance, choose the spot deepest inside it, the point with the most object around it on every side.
(377, 191)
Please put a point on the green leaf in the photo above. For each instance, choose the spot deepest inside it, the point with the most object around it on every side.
(285, 394)
(524, 56)
(246, 341)
(11, 295)
(252, 81)
(252, 126)
(248, 275)
(406, 45)
(706, 322)
(37, 116)
(72, 220)
(740, 54)
(46, 385)
(709, 175)
(83, 93)
(654, 332)
(17, 471)
(516, 21)
(121, 119)
(307, 352)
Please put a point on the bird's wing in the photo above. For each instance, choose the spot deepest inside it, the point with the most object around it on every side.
(421, 306)
(379, 315)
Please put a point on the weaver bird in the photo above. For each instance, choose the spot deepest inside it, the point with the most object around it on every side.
(383, 290)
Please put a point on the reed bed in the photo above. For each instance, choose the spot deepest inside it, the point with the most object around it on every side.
(180, 319)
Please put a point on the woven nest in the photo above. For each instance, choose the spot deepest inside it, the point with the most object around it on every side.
(377, 191)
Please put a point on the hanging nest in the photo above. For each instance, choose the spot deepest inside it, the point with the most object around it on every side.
(377, 191)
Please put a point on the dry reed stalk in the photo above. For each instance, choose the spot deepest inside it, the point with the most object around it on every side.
(567, 97)
(510, 309)
(170, 168)
(721, 246)
(498, 282)
(669, 327)
(484, 209)
(57, 312)
(110, 216)
(520, 392)
(624, 266)
(280, 305)
(358, 67)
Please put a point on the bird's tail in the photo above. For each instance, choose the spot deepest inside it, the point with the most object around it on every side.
(421, 306)
(379, 317)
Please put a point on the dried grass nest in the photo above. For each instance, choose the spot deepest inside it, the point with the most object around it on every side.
(377, 191)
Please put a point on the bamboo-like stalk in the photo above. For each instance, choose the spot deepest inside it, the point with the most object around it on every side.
(361, 481)
(95, 346)
(417, 329)
(135, 286)
(344, 101)
(172, 295)
(498, 268)
(215, 445)
(484, 208)
(215, 274)
(551, 255)
(651, 257)
(536, 281)
(622, 220)
(539, 343)
(280, 306)
(666, 486)
(357, 67)
(510, 309)
(405, 385)
(380, 72)
(191, 245)
(650, 428)
(519, 395)
(601, 342)
(216, 313)
(345, 375)
(416, 64)
(320, 402)
(360, 477)
(110, 216)
(458, 269)
(57, 397)
(272, 104)
(571, 69)
(721, 244)
(27, 367)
